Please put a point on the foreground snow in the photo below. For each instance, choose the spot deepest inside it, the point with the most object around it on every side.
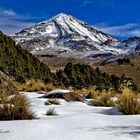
(75, 121)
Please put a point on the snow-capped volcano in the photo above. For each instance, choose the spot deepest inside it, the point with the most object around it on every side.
(64, 35)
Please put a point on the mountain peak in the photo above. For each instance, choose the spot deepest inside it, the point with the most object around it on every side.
(64, 33)
(59, 16)
(62, 15)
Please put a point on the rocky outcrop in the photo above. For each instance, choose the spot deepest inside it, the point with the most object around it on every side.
(64, 94)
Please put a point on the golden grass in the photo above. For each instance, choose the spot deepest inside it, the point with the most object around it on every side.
(82, 91)
(15, 108)
(87, 92)
(104, 100)
(33, 86)
(129, 103)
(92, 93)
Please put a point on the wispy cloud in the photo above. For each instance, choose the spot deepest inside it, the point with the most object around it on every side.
(8, 13)
(10, 26)
(12, 22)
(123, 31)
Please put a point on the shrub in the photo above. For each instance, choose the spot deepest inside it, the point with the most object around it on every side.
(104, 100)
(54, 101)
(15, 108)
(51, 112)
(21, 79)
(123, 61)
(129, 103)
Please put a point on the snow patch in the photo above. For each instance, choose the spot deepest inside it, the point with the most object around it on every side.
(75, 120)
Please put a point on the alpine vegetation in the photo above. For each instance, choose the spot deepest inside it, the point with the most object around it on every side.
(16, 107)
(129, 103)
(51, 112)
(20, 64)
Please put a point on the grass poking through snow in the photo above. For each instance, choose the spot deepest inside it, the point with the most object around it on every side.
(15, 108)
(129, 103)
(51, 112)
(104, 100)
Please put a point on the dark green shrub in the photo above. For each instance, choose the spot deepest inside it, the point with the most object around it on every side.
(21, 79)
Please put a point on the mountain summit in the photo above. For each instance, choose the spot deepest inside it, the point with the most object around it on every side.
(66, 36)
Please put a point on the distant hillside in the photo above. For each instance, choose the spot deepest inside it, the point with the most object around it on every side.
(19, 63)
(131, 70)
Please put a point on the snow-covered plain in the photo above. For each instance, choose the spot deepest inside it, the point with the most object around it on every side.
(75, 121)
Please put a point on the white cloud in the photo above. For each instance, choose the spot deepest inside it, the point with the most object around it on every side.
(136, 32)
(8, 13)
(10, 26)
(12, 22)
(126, 30)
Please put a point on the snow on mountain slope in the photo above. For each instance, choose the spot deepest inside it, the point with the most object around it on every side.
(64, 34)
(132, 45)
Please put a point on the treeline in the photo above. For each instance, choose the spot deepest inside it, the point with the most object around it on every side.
(123, 61)
(19, 63)
(81, 75)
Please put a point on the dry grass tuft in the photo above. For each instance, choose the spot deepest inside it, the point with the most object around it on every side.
(93, 93)
(33, 86)
(129, 103)
(15, 108)
(51, 112)
(104, 100)
(82, 91)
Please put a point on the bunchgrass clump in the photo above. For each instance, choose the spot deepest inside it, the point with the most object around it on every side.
(34, 85)
(104, 100)
(15, 108)
(92, 94)
(51, 112)
(129, 103)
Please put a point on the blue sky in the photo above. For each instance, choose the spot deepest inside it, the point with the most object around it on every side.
(120, 18)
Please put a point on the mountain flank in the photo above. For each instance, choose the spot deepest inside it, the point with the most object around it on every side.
(68, 37)
(18, 63)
